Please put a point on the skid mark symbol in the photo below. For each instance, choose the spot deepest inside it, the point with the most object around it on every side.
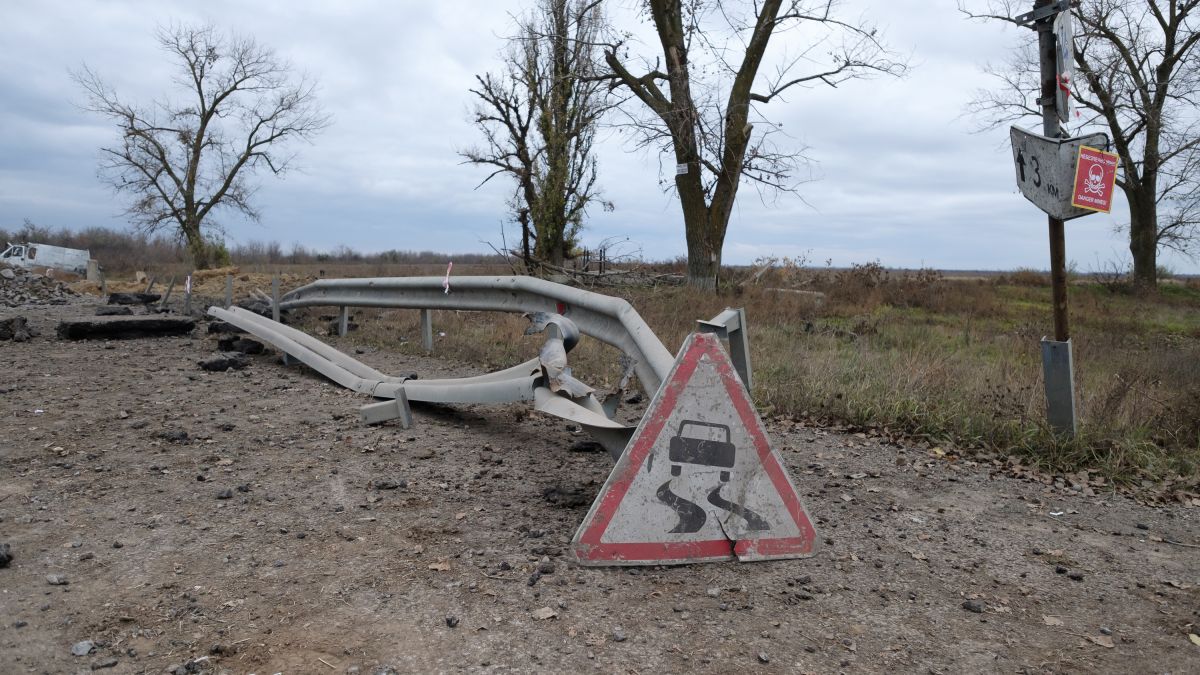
(753, 520)
(691, 516)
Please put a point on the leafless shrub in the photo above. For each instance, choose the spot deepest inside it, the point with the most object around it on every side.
(1113, 276)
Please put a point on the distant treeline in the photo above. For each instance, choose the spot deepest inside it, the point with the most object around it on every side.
(125, 251)
(267, 253)
(116, 251)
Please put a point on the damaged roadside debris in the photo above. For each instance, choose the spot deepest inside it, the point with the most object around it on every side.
(696, 480)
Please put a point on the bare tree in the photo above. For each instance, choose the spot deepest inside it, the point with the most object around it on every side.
(1138, 68)
(182, 160)
(539, 119)
(712, 52)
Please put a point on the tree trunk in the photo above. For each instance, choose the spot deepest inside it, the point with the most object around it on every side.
(558, 253)
(703, 267)
(526, 251)
(549, 219)
(1143, 240)
(551, 248)
(197, 247)
(703, 246)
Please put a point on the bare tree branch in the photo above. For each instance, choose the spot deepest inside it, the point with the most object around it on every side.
(181, 162)
(712, 52)
(1139, 64)
(539, 119)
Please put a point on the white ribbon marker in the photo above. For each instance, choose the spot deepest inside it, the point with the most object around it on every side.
(446, 281)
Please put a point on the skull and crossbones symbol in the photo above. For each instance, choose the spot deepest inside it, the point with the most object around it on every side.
(1095, 180)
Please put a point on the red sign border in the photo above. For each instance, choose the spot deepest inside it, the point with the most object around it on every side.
(1112, 192)
(588, 546)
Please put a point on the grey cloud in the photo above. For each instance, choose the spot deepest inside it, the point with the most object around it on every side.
(901, 178)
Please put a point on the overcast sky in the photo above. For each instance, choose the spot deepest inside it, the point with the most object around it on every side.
(900, 177)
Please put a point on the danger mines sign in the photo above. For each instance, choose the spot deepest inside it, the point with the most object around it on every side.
(1095, 177)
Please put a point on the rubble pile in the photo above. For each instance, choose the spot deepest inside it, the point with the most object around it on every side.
(19, 286)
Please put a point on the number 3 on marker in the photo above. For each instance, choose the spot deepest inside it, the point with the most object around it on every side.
(1037, 173)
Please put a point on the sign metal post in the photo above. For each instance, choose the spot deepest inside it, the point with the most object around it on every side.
(1052, 21)
(1059, 372)
(1066, 178)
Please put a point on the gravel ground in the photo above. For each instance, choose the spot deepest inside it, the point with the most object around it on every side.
(161, 517)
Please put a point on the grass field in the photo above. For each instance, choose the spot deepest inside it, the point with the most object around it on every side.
(953, 362)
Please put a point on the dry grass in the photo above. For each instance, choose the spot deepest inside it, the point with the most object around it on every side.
(949, 361)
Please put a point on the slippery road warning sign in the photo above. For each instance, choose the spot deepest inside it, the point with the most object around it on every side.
(699, 481)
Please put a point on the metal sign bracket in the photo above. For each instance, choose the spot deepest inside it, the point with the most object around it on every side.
(1044, 12)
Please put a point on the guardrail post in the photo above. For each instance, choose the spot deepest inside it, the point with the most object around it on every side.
(167, 296)
(731, 325)
(187, 295)
(739, 346)
(427, 329)
(228, 291)
(343, 321)
(275, 309)
(396, 408)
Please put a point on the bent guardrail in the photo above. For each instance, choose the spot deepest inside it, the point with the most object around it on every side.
(611, 320)
(718, 490)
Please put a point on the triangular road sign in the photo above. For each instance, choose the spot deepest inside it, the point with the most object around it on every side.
(698, 482)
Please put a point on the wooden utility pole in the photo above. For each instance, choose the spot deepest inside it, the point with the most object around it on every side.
(1052, 129)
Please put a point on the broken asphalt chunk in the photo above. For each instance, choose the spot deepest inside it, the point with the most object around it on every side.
(225, 361)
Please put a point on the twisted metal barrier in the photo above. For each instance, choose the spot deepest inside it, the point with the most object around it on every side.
(647, 512)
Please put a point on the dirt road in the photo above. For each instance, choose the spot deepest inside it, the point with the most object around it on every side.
(246, 522)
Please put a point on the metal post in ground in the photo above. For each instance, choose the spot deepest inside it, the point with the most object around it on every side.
(275, 308)
(167, 295)
(187, 296)
(731, 325)
(427, 329)
(343, 321)
(1057, 364)
(739, 350)
(228, 291)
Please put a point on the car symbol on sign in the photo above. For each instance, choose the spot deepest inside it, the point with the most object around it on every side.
(697, 447)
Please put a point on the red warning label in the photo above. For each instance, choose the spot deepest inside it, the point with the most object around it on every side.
(1095, 178)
